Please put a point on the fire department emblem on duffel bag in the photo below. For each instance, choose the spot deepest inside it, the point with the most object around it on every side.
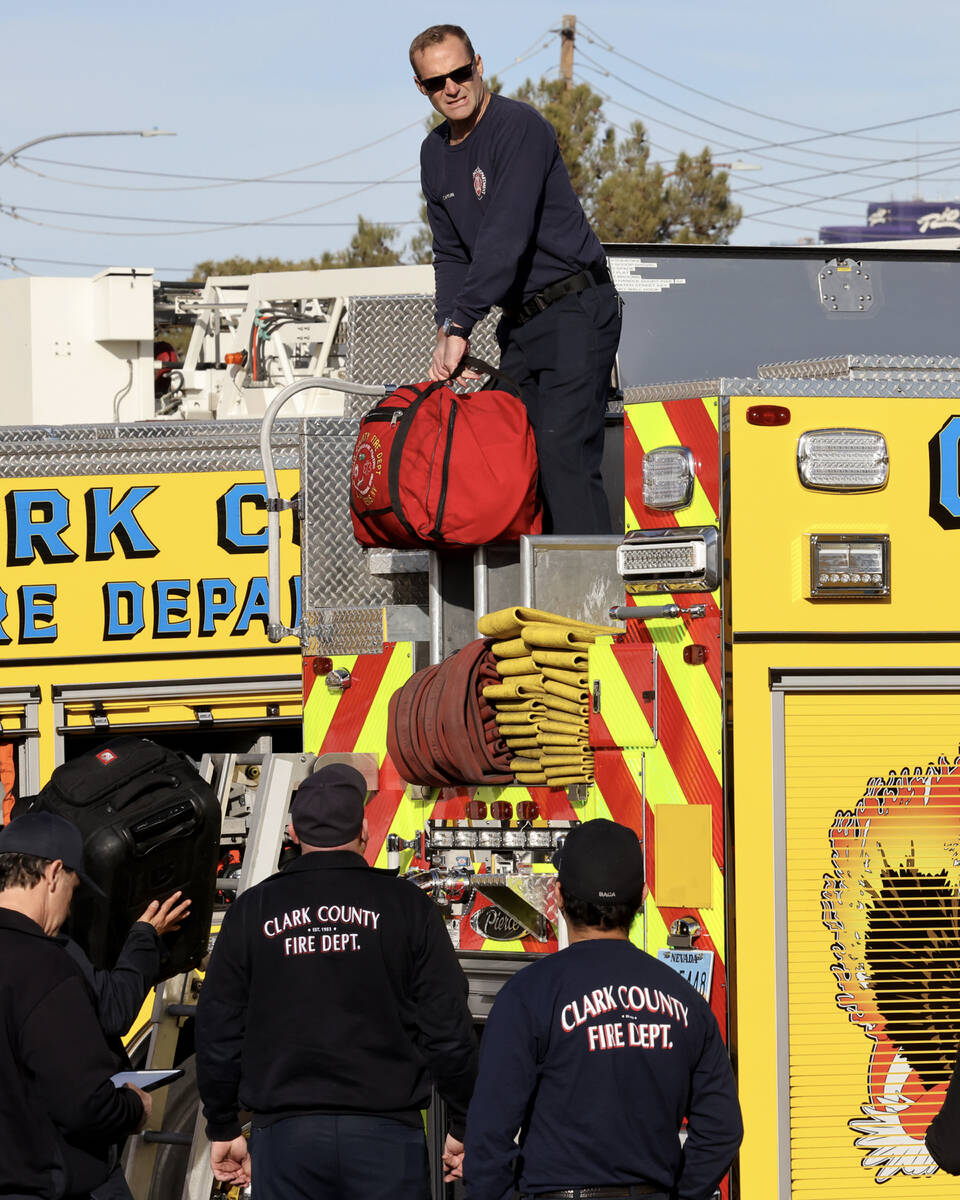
(367, 465)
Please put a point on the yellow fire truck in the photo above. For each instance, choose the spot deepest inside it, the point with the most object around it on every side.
(777, 718)
(774, 713)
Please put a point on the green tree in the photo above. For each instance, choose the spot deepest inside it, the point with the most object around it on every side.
(420, 248)
(370, 246)
(250, 266)
(640, 202)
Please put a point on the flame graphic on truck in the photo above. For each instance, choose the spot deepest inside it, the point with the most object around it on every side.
(891, 903)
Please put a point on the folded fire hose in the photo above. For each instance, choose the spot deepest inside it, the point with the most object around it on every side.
(513, 704)
(542, 696)
(442, 731)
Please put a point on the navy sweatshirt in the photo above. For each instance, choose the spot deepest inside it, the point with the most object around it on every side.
(596, 1054)
(59, 1112)
(119, 993)
(504, 216)
(333, 987)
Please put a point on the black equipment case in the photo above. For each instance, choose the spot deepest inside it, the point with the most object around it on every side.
(150, 826)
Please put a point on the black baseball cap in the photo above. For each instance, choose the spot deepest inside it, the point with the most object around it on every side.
(47, 835)
(601, 862)
(327, 808)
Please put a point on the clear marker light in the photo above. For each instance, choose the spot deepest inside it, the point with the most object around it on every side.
(843, 460)
(676, 560)
(668, 477)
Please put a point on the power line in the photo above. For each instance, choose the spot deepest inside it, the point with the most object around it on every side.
(603, 44)
(227, 180)
(212, 226)
(851, 192)
(734, 188)
(17, 213)
(726, 146)
(62, 262)
(210, 182)
(119, 187)
(796, 144)
(861, 171)
(14, 209)
(812, 198)
(884, 179)
(946, 112)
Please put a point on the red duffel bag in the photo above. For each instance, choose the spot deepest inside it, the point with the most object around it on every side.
(434, 467)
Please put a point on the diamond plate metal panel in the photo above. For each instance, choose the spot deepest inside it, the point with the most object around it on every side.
(810, 368)
(335, 578)
(658, 393)
(865, 366)
(140, 449)
(390, 338)
(908, 387)
(342, 631)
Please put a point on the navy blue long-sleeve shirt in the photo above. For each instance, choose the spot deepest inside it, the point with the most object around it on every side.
(355, 969)
(120, 992)
(60, 1114)
(505, 219)
(596, 1055)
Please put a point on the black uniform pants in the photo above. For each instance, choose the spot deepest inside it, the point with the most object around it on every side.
(561, 360)
(333, 1156)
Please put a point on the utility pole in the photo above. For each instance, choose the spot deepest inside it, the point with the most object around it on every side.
(568, 33)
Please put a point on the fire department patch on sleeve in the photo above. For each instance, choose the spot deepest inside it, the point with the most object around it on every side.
(479, 183)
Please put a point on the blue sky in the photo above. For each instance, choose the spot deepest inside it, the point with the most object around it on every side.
(257, 89)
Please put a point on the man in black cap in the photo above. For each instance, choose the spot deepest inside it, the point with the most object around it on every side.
(60, 1114)
(596, 1055)
(332, 998)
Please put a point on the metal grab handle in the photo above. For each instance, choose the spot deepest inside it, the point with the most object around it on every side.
(276, 631)
(655, 611)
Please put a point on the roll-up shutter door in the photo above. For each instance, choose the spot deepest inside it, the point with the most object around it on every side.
(190, 704)
(872, 827)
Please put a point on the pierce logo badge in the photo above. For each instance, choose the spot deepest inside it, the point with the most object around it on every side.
(107, 757)
(495, 924)
(479, 183)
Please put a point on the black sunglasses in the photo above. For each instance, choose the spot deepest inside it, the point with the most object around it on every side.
(436, 82)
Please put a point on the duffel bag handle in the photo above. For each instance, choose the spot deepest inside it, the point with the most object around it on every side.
(477, 364)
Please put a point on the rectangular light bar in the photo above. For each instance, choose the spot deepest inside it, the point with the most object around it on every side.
(854, 566)
(670, 560)
(668, 478)
(842, 460)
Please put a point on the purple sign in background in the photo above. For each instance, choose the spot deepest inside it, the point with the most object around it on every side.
(898, 219)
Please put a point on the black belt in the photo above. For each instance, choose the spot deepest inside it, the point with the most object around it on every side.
(593, 276)
(597, 1193)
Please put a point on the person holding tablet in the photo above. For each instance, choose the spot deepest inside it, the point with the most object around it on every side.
(60, 1113)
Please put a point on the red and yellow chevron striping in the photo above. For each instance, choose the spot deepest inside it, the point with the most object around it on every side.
(684, 764)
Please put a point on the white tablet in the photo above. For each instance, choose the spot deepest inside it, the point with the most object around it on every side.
(146, 1081)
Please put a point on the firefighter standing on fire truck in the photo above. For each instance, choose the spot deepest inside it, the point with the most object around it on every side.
(509, 230)
(597, 1054)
